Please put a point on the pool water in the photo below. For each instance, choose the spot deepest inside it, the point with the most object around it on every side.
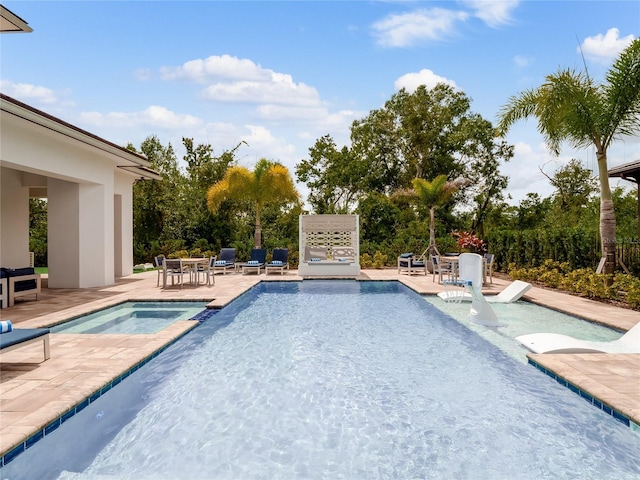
(521, 318)
(334, 379)
(132, 318)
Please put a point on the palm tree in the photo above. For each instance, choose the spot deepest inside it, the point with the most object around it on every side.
(570, 106)
(433, 194)
(268, 183)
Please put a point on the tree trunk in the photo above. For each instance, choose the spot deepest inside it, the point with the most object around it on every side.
(607, 217)
(257, 234)
(433, 250)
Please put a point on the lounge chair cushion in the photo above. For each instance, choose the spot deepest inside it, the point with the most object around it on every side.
(253, 262)
(315, 252)
(406, 255)
(5, 326)
(276, 262)
(21, 286)
(21, 335)
(221, 262)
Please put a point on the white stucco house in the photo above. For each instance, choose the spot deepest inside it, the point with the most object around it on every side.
(88, 183)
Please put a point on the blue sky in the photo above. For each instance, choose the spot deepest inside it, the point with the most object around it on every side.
(279, 75)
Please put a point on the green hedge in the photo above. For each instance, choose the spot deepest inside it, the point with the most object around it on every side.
(531, 248)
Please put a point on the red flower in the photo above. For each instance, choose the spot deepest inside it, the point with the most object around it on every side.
(467, 240)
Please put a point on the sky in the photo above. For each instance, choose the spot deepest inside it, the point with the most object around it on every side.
(278, 75)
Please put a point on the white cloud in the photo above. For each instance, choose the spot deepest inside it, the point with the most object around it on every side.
(411, 81)
(279, 89)
(153, 116)
(604, 48)
(215, 68)
(232, 80)
(142, 74)
(27, 92)
(404, 30)
(493, 13)
(522, 61)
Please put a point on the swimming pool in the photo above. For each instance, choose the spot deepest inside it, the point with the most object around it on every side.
(334, 379)
(132, 318)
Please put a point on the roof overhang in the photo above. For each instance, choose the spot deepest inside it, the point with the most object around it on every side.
(127, 160)
(628, 171)
(11, 23)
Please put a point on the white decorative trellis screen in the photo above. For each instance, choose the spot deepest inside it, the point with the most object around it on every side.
(336, 232)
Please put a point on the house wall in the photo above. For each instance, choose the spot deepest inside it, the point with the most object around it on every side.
(123, 225)
(14, 220)
(90, 205)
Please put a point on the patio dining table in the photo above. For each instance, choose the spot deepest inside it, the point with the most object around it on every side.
(192, 264)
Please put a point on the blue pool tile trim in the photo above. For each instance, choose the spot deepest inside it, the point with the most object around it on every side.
(622, 418)
(52, 426)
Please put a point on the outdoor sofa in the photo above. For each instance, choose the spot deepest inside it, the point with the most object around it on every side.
(18, 282)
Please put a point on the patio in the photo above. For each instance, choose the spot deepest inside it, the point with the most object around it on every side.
(33, 395)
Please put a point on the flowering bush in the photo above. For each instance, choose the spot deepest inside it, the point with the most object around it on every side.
(467, 241)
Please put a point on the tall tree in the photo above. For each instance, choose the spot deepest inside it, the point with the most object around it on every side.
(269, 183)
(154, 217)
(433, 194)
(333, 176)
(571, 106)
(574, 186)
(423, 134)
(203, 169)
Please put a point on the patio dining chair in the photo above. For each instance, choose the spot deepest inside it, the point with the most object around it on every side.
(441, 267)
(175, 269)
(208, 271)
(489, 259)
(158, 264)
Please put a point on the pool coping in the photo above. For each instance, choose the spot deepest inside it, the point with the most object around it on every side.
(593, 400)
(53, 425)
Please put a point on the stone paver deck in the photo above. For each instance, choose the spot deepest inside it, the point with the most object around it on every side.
(34, 394)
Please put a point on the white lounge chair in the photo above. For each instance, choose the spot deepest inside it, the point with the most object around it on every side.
(511, 293)
(558, 343)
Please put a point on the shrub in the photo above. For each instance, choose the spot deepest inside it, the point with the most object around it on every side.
(366, 261)
(379, 260)
(582, 281)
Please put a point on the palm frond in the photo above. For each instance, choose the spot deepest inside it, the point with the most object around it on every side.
(567, 106)
(518, 107)
(434, 192)
(237, 184)
(622, 91)
(276, 185)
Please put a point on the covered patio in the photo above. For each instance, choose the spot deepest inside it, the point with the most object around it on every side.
(88, 184)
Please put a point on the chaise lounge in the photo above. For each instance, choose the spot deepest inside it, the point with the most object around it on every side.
(512, 293)
(558, 343)
(20, 337)
(227, 260)
(279, 262)
(256, 262)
